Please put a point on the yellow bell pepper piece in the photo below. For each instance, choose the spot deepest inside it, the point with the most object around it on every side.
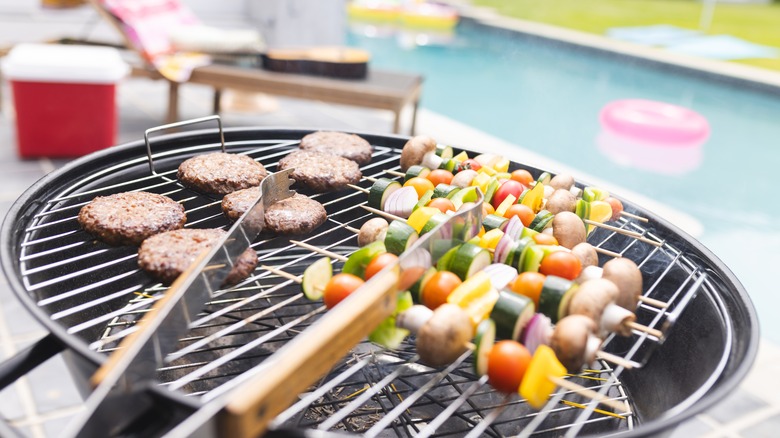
(505, 204)
(536, 386)
(476, 296)
(481, 180)
(487, 170)
(463, 156)
(420, 217)
(534, 198)
(501, 164)
(490, 239)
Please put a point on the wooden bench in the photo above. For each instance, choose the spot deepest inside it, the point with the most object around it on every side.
(379, 90)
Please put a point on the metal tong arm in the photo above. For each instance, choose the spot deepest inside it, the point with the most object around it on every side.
(135, 362)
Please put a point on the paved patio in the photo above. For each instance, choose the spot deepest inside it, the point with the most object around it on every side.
(40, 404)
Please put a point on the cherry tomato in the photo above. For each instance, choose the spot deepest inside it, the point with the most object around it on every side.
(562, 264)
(507, 362)
(379, 262)
(522, 176)
(469, 164)
(420, 184)
(617, 207)
(509, 187)
(545, 239)
(529, 284)
(438, 288)
(522, 211)
(440, 176)
(339, 287)
(443, 204)
(487, 209)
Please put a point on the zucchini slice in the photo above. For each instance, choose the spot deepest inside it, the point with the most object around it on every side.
(468, 260)
(380, 190)
(484, 340)
(416, 170)
(445, 190)
(315, 277)
(493, 221)
(399, 237)
(555, 296)
(511, 313)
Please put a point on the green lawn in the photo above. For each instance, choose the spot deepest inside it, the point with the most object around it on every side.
(757, 23)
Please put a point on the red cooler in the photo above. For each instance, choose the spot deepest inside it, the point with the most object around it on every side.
(64, 98)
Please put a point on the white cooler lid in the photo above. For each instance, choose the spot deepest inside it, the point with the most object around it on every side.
(64, 63)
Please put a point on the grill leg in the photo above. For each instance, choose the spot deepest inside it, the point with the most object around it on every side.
(173, 103)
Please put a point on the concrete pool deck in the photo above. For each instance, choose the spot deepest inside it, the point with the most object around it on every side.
(40, 404)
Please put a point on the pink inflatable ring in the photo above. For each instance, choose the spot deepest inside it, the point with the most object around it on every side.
(656, 122)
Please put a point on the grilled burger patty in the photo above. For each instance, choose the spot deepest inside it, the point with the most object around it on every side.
(166, 255)
(221, 173)
(129, 218)
(321, 172)
(345, 145)
(297, 214)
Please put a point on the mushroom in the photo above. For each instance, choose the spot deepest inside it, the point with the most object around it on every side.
(413, 318)
(586, 253)
(596, 299)
(417, 150)
(628, 279)
(463, 178)
(592, 297)
(444, 336)
(373, 230)
(561, 200)
(562, 181)
(574, 341)
(568, 229)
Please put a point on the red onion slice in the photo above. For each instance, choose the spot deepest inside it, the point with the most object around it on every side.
(502, 249)
(401, 202)
(500, 274)
(513, 228)
(537, 332)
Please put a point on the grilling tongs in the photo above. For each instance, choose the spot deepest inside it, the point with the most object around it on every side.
(247, 404)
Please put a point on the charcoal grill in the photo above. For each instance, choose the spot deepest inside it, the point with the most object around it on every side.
(90, 295)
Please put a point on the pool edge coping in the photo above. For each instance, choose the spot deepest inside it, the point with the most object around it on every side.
(719, 69)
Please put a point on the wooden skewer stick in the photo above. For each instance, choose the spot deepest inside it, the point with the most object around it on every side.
(607, 252)
(384, 214)
(369, 178)
(653, 302)
(353, 229)
(617, 360)
(633, 234)
(645, 329)
(319, 250)
(395, 173)
(281, 273)
(633, 216)
(358, 188)
(589, 393)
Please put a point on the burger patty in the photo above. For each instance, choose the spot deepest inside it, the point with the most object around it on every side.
(349, 146)
(129, 218)
(221, 173)
(321, 172)
(297, 214)
(166, 255)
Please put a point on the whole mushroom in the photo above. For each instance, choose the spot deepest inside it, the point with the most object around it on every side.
(592, 298)
(415, 151)
(574, 341)
(444, 336)
(373, 230)
(463, 178)
(586, 253)
(628, 279)
(562, 181)
(568, 229)
(561, 200)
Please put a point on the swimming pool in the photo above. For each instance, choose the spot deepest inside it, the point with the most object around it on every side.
(546, 96)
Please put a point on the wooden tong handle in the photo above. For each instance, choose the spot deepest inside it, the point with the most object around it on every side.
(301, 362)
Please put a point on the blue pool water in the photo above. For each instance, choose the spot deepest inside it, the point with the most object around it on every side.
(546, 97)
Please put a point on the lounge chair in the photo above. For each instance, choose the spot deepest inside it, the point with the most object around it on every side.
(379, 89)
